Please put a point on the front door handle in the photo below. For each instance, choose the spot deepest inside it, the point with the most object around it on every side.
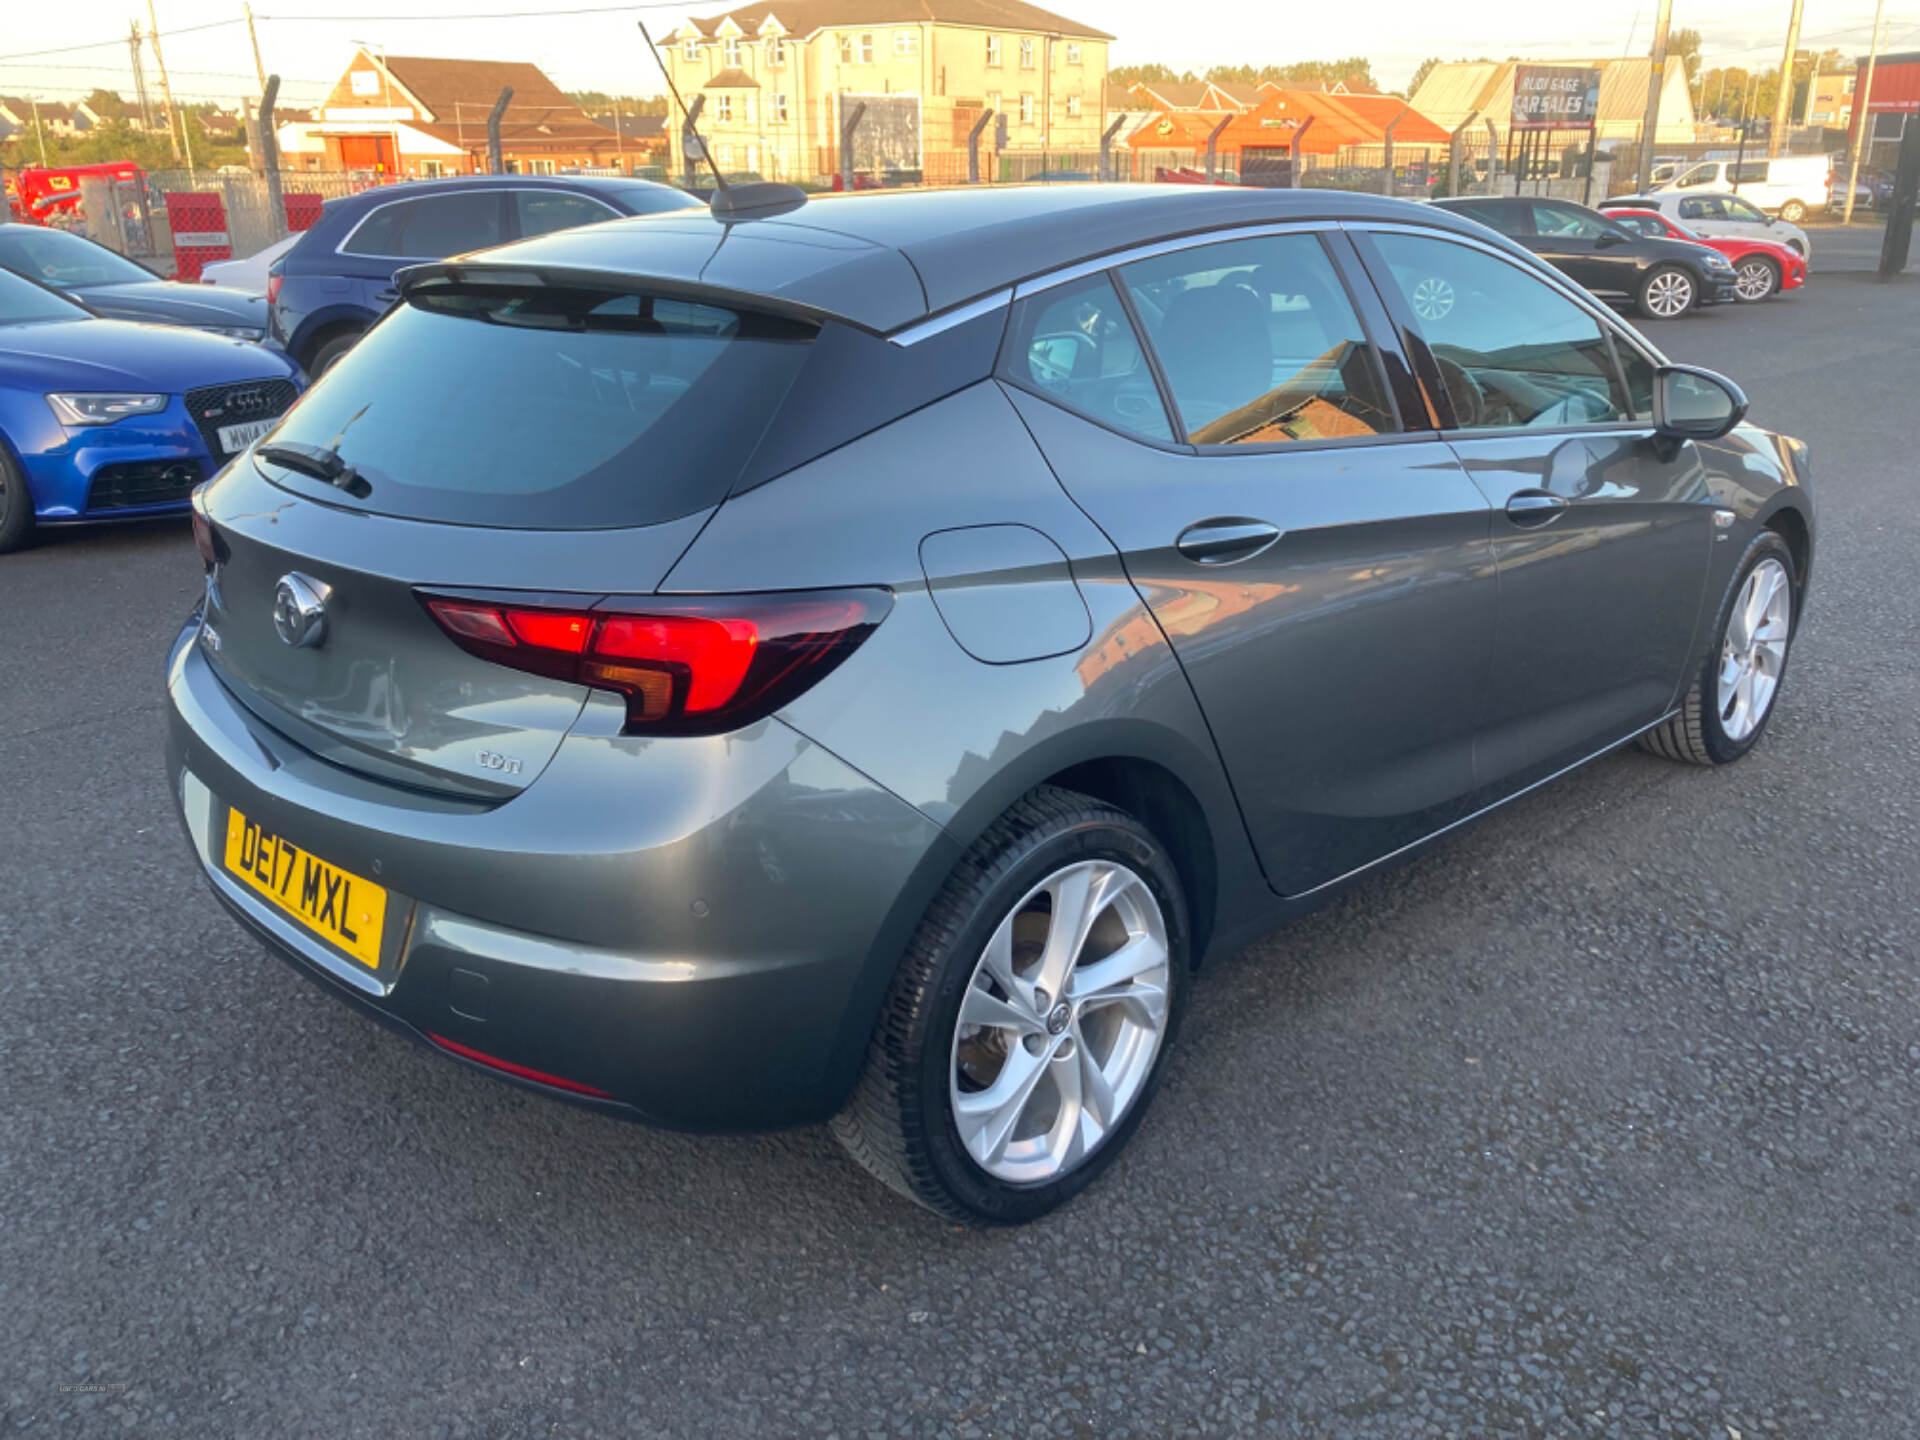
(1225, 540)
(1534, 507)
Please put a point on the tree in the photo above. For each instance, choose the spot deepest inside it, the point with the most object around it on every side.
(1152, 73)
(1685, 44)
(107, 105)
(1427, 67)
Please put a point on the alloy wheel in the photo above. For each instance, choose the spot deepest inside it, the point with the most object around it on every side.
(1754, 650)
(1432, 298)
(1753, 280)
(1669, 294)
(1061, 1022)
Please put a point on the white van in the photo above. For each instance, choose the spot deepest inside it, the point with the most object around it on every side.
(1789, 186)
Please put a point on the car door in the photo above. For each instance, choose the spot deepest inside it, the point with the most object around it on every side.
(1705, 214)
(1602, 529)
(1320, 565)
(426, 227)
(1587, 249)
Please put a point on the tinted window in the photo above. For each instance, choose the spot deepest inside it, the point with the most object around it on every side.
(1512, 350)
(1259, 342)
(379, 232)
(56, 258)
(541, 212)
(443, 225)
(1738, 209)
(1076, 344)
(1507, 219)
(1698, 176)
(1748, 172)
(1705, 207)
(551, 408)
(1639, 372)
(1641, 224)
(22, 302)
(1567, 223)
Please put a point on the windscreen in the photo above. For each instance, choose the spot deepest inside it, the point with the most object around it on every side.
(65, 261)
(24, 303)
(547, 407)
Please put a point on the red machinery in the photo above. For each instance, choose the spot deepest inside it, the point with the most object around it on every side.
(37, 195)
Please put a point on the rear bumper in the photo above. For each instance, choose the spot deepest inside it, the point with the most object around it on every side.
(694, 931)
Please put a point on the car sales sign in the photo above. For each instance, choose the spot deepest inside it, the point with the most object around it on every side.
(1555, 97)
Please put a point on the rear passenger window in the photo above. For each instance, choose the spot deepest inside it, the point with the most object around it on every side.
(379, 232)
(1512, 351)
(1076, 344)
(1259, 342)
(443, 225)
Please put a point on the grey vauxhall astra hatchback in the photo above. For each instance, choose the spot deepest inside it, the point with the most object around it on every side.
(853, 659)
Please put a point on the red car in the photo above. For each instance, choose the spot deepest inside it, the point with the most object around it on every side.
(1761, 268)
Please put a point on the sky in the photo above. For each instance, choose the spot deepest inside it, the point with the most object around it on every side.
(309, 46)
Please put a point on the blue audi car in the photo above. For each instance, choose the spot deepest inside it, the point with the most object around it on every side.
(108, 420)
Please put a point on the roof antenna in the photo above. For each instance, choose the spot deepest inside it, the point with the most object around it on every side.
(752, 200)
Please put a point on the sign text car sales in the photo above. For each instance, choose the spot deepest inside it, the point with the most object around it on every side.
(1555, 97)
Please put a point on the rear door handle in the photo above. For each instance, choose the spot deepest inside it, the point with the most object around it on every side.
(1534, 507)
(1225, 540)
(387, 297)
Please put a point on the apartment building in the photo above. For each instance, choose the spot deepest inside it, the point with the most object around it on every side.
(780, 77)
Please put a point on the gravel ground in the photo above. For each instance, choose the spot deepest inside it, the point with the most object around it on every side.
(1597, 1121)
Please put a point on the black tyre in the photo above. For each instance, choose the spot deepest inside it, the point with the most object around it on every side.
(1734, 693)
(16, 506)
(330, 350)
(1667, 292)
(1027, 1029)
(1756, 278)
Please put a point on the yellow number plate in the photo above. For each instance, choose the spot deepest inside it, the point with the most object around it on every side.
(335, 905)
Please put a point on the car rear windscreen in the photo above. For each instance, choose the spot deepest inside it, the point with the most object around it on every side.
(548, 407)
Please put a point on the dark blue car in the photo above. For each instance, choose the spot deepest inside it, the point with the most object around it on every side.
(109, 284)
(107, 420)
(338, 279)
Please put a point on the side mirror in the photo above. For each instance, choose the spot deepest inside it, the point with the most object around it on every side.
(1694, 404)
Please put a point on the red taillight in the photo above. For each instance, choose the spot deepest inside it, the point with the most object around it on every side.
(525, 1072)
(273, 287)
(684, 665)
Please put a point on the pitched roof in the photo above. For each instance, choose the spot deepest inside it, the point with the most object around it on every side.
(460, 94)
(735, 79)
(804, 17)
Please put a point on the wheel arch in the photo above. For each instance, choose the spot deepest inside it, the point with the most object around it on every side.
(322, 326)
(1791, 526)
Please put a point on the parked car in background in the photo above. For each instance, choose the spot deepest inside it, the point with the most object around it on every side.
(1717, 215)
(1787, 185)
(856, 663)
(1663, 279)
(1761, 268)
(109, 284)
(337, 279)
(1872, 190)
(248, 276)
(106, 420)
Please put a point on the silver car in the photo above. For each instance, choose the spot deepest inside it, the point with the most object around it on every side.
(856, 659)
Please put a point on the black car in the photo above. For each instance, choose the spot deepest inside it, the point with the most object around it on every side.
(113, 286)
(338, 279)
(1662, 279)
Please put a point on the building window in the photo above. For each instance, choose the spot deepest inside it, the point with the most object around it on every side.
(846, 49)
(1026, 53)
(776, 52)
(723, 107)
(1073, 107)
(866, 49)
(733, 52)
(779, 108)
(906, 42)
(690, 48)
(539, 167)
(993, 101)
(1073, 52)
(432, 169)
(1850, 80)
(726, 157)
(993, 50)
(1026, 108)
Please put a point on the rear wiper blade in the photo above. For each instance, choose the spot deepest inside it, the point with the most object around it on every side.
(314, 460)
